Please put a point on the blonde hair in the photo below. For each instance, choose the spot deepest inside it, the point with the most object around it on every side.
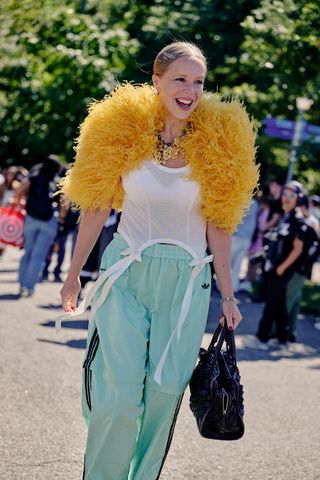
(172, 52)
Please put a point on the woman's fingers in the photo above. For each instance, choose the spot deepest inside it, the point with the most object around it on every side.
(231, 314)
(69, 295)
(70, 303)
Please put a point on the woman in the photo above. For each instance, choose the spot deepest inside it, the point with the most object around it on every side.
(181, 164)
(284, 255)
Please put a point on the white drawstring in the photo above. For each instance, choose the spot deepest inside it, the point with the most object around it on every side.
(114, 272)
(185, 307)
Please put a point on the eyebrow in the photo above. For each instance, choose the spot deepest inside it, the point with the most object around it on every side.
(199, 77)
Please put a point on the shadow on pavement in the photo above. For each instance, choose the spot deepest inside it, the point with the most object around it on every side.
(8, 270)
(308, 339)
(10, 296)
(79, 343)
(307, 345)
(314, 367)
(72, 324)
(51, 306)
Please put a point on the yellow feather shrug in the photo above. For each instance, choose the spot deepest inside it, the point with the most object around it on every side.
(119, 133)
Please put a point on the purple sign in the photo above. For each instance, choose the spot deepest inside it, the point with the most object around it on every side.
(276, 123)
(312, 130)
(284, 129)
(279, 133)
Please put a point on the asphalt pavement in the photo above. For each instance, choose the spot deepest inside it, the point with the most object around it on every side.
(42, 435)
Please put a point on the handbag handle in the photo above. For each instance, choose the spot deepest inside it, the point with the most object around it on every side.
(221, 335)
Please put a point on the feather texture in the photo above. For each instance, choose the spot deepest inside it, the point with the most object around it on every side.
(120, 132)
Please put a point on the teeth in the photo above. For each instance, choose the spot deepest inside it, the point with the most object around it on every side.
(185, 102)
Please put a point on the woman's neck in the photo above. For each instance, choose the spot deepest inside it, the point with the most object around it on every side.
(173, 128)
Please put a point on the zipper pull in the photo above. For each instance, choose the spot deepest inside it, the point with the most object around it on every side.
(225, 402)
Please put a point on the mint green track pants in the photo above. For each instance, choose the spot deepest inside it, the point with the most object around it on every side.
(130, 417)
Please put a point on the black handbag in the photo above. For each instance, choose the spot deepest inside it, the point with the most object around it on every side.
(216, 398)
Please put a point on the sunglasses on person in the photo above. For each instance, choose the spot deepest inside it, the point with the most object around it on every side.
(289, 194)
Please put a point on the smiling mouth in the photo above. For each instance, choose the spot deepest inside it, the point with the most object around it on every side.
(184, 103)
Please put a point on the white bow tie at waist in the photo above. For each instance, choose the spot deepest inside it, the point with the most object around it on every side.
(113, 273)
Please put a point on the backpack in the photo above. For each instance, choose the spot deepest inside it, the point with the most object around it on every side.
(310, 252)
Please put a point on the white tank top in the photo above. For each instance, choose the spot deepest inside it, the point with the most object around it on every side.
(161, 205)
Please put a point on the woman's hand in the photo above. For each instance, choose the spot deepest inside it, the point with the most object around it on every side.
(69, 294)
(90, 228)
(232, 314)
(280, 270)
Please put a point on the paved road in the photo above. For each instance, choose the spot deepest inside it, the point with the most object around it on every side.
(42, 434)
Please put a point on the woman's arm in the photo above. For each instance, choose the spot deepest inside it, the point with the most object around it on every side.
(292, 257)
(90, 227)
(272, 222)
(219, 244)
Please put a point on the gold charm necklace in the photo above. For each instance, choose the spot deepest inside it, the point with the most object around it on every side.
(165, 151)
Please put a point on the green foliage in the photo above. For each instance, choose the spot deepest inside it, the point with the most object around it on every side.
(53, 62)
(278, 62)
(310, 303)
(214, 25)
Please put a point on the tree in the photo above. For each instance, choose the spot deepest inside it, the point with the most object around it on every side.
(214, 25)
(53, 62)
(278, 62)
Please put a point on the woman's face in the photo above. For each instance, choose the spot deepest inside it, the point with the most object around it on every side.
(181, 86)
(288, 200)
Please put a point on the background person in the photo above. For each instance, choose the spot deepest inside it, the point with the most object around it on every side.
(275, 206)
(304, 268)
(8, 186)
(285, 247)
(241, 241)
(147, 149)
(41, 222)
(256, 258)
(314, 206)
(9, 182)
(67, 226)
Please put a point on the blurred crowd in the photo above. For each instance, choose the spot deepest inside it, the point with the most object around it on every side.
(48, 222)
(273, 251)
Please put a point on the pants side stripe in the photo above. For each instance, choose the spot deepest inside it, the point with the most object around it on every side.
(93, 347)
(84, 468)
(174, 420)
(92, 342)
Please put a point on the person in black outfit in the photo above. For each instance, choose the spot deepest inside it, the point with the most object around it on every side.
(68, 225)
(311, 250)
(41, 222)
(284, 252)
(275, 204)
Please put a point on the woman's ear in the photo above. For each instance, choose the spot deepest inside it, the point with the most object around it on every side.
(155, 82)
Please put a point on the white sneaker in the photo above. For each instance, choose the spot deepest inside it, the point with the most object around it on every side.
(273, 343)
(25, 292)
(256, 344)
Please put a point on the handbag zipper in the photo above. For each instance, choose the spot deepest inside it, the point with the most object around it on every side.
(225, 402)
